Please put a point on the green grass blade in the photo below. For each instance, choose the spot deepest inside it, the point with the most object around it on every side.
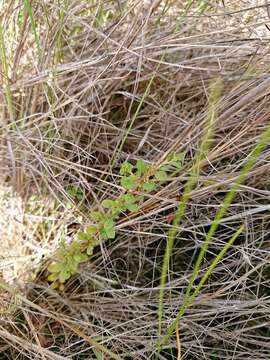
(228, 200)
(28, 8)
(199, 161)
(265, 137)
(6, 82)
(187, 301)
(215, 262)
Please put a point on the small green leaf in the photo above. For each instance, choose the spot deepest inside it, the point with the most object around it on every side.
(79, 197)
(96, 216)
(64, 276)
(71, 190)
(53, 276)
(55, 267)
(110, 233)
(133, 207)
(173, 156)
(108, 223)
(139, 198)
(79, 258)
(72, 265)
(75, 192)
(126, 168)
(74, 247)
(116, 211)
(161, 175)
(91, 230)
(91, 245)
(90, 250)
(142, 167)
(82, 236)
(165, 168)
(180, 156)
(108, 204)
(149, 186)
(176, 164)
(55, 285)
(129, 198)
(108, 230)
(129, 182)
(84, 257)
(176, 160)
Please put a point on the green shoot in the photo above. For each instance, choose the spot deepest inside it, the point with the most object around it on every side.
(259, 148)
(29, 10)
(59, 40)
(187, 301)
(194, 173)
(6, 82)
(265, 137)
(142, 177)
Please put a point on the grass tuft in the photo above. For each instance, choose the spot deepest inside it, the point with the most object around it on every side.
(94, 94)
(215, 94)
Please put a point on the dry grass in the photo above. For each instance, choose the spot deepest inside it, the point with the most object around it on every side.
(74, 102)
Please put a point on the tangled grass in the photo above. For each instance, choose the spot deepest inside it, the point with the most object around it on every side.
(87, 85)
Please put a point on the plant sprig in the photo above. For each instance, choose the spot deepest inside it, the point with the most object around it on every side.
(136, 180)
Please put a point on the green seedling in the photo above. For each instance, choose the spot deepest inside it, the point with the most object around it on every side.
(140, 178)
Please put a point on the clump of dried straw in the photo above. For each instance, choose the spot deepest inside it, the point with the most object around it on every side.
(93, 84)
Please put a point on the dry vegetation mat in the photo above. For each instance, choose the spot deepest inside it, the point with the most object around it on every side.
(135, 192)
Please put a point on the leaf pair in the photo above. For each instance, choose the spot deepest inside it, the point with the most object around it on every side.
(135, 174)
(107, 230)
(174, 162)
(105, 224)
(129, 202)
(130, 182)
(126, 168)
(90, 236)
(140, 177)
(123, 203)
(71, 258)
(141, 168)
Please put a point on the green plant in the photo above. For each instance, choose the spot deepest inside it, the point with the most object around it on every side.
(190, 184)
(4, 73)
(75, 192)
(188, 297)
(136, 181)
(29, 11)
(62, 4)
(231, 194)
